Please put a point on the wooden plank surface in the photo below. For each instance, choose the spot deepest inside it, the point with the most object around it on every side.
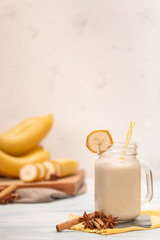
(38, 221)
(69, 185)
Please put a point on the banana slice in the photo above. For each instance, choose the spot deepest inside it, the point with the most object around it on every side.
(51, 169)
(29, 173)
(99, 141)
(42, 171)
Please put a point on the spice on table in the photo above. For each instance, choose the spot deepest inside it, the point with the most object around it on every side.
(86, 219)
(7, 196)
(98, 223)
(70, 223)
(110, 221)
(8, 190)
(99, 214)
(2, 188)
(95, 219)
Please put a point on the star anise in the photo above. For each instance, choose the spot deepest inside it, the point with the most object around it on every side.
(109, 221)
(9, 198)
(86, 219)
(6, 199)
(99, 214)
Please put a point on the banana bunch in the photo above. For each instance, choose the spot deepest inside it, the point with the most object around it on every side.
(19, 146)
(20, 155)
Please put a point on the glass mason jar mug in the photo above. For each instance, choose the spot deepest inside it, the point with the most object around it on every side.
(118, 182)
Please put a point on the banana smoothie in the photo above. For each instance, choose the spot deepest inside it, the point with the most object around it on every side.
(118, 186)
(118, 175)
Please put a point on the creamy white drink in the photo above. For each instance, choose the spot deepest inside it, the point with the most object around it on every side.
(118, 175)
(118, 185)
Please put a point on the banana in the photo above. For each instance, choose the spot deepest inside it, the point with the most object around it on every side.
(24, 138)
(21, 127)
(34, 150)
(10, 165)
(65, 166)
(29, 173)
(4, 174)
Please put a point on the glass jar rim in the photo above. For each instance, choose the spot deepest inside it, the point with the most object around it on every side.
(119, 148)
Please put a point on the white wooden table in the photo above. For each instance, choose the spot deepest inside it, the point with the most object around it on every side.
(38, 221)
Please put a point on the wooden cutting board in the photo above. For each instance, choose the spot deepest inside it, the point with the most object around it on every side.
(69, 185)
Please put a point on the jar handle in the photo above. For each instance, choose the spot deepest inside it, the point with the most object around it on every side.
(149, 182)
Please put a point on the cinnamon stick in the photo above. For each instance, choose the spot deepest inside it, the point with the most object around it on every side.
(8, 190)
(70, 223)
(99, 221)
(2, 188)
(96, 224)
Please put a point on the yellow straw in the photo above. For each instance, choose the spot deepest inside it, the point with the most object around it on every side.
(129, 134)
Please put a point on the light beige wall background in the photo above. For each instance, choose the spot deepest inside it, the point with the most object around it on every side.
(93, 64)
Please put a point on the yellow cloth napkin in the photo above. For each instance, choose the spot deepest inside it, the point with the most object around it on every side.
(155, 220)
